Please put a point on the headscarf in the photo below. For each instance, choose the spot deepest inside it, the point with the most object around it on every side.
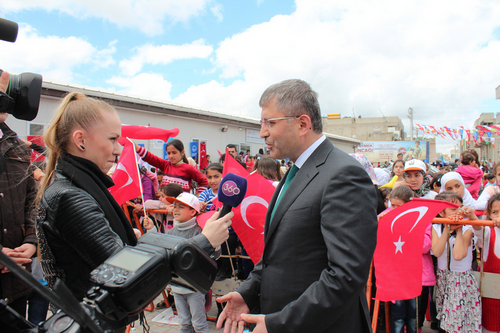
(467, 198)
(426, 185)
(365, 162)
(382, 176)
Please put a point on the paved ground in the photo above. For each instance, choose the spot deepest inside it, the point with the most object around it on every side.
(165, 328)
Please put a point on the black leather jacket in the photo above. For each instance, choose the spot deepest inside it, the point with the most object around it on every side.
(75, 228)
(74, 235)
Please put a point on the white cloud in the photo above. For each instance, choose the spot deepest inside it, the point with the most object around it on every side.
(217, 11)
(164, 54)
(144, 85)
(440, 58)
(56, 58)
(146, 15)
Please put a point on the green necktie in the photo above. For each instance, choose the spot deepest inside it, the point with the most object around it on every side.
(288, 180)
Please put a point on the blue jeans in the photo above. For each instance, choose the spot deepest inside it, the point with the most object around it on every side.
(37, 308)
(404, 312)
(191, 312)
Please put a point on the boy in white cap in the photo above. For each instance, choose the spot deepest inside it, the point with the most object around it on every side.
(414, 175)
(190, 305)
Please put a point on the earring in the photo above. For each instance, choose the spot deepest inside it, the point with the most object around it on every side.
(83, 148)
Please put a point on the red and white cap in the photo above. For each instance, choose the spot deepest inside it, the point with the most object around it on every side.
(415, 165)
(187, 199)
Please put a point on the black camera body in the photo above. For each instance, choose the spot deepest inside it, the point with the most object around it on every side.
(126, 283)
(22, 98)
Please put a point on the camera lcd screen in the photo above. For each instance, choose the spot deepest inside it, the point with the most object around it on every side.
(129, 260)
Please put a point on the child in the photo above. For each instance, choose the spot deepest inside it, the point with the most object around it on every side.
(458, 299)
(385, 192)
(453, 182)
(190, 305)
(414, 175)
(491, 263)
(177, 169)
(169, 190)
(214, 177)
(250, 163)
(269, 169)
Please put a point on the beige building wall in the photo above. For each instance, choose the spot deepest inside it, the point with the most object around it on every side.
(366, 129)
(216, 129)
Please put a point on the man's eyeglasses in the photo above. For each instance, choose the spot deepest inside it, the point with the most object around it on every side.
(270, 122)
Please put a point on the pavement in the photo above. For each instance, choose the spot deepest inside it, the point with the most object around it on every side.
(219, 288)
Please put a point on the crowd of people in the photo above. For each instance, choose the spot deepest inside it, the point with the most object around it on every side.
(319, 234)
(450, 252)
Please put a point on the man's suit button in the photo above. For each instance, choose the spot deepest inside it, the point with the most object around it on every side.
(265, 264)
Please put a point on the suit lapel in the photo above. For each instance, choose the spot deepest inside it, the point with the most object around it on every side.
(303, 177)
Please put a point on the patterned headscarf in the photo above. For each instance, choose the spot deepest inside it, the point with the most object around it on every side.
(367, 165)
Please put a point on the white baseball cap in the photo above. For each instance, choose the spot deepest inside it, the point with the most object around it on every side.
(415, 165)
(187, 199)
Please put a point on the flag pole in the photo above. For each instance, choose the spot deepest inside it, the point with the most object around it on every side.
(140, 181)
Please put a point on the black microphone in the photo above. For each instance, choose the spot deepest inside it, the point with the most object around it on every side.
(232, 190)
(8, 30)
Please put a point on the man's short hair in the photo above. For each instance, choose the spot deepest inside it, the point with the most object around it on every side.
(295, 98)
(231, 146)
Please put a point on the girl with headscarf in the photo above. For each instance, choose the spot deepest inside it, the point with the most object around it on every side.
(453, 182)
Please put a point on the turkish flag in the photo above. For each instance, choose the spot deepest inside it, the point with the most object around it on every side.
(250, 216)
(36, 156)
(400, 240)
(146, 133)
(126, 176)
(203, 155)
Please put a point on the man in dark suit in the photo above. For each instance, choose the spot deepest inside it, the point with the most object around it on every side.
(320, 233)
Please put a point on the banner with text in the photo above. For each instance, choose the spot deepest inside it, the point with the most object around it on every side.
(380, 151)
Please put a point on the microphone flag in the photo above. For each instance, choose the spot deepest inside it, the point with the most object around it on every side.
(250, 216)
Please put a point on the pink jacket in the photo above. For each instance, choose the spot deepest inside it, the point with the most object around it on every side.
(428, 277)
(473, 177)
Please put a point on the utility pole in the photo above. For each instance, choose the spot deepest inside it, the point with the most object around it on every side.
(410, 115)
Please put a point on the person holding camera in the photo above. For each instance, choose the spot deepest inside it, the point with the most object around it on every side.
(17, 212)
(79, 223)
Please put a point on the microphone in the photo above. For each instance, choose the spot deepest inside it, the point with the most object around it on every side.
(232, 190)
(8, 30)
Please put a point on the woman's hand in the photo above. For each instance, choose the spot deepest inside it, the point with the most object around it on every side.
(216, 229)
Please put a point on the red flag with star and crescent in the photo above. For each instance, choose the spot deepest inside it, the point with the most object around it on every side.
(126, 176)
(400, 240)
(203, 155)
(250, 216)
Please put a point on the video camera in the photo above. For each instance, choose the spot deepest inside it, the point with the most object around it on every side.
(124, 284)
(22, 97)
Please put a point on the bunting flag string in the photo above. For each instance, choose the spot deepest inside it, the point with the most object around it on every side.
(479, 134)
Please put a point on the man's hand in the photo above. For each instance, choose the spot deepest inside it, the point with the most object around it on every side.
(232, 313)
(259, 320)
(216, 229)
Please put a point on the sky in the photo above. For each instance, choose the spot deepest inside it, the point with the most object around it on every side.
(366, 58)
